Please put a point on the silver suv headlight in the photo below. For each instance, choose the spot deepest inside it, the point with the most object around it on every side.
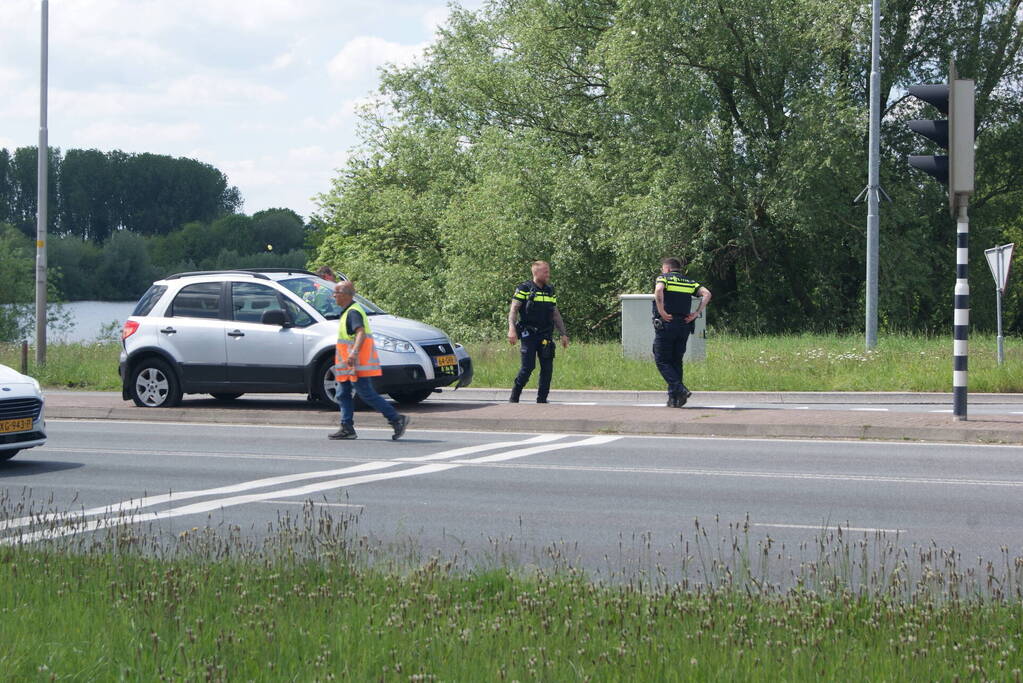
(382, 341)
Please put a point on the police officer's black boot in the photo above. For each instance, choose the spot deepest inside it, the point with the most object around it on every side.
(672, 401)
(516, 391)
(683, 397)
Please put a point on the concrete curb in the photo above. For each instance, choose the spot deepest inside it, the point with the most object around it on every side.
(728, 397)
(626, 421)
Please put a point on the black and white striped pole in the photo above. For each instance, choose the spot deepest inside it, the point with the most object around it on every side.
(956, 134)
(961, 319)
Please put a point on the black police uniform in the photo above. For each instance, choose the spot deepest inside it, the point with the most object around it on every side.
(670, 337)
(535, 329)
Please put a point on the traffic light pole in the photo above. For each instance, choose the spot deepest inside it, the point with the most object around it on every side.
(961, 318)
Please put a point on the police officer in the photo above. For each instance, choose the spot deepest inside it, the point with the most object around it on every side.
(673, 323)
(536, 309)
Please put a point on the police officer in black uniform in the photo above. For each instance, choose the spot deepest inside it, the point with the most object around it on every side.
(536, 309)
(673, 323)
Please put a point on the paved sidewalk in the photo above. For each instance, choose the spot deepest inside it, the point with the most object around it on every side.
(444, 412)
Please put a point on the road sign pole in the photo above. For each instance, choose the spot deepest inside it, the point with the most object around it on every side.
(1001, 339)
(961, 318)
(999, 260)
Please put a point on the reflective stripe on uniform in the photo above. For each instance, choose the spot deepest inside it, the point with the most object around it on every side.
(541, 298)
(683, 288)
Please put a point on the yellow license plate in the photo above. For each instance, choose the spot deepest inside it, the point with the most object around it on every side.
(22, 425)
(444, 361)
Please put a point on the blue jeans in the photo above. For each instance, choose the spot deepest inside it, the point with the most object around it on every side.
(364, 388)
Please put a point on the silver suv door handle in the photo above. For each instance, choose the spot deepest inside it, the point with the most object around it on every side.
(236, 333)
(168, 330)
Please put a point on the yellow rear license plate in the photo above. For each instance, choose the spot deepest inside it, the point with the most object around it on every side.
(22, 425)
(443, 361)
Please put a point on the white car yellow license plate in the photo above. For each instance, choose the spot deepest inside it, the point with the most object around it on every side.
(445, 361)
(21, 425)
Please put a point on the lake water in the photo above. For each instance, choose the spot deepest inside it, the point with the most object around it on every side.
(89, 319)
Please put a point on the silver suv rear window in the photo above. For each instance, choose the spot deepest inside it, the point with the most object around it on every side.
(148, 300)
(201, 300)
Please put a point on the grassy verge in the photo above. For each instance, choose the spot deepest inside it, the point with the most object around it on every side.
(780, 363)
(70, 366)
(314, 608)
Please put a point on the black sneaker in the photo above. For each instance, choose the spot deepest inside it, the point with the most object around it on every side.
(399, 426)
(680, 399)
(346, 432)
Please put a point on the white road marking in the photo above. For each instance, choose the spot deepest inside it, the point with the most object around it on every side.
(499, 457)
(674, 437)
(939, 411)
(871, 410)
(314, 503)
(172, 497)
(75, 525)
(799, 476)
(824, 527)
(577, 403)
(801, 408)
(730, 407)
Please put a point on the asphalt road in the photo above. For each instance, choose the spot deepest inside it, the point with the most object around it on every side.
(612, 504)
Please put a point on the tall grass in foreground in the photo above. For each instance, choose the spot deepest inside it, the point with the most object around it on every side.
(314, 600)
(778, 363)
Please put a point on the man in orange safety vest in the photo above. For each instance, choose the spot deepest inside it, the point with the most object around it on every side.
(356, 363)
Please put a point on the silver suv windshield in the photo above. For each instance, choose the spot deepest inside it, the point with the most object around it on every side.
(319, 294)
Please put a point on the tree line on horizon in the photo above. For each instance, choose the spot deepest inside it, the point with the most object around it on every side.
(603, 135)
(93, 194)
(117, 222)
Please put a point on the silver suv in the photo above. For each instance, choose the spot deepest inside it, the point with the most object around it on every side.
(227, 333)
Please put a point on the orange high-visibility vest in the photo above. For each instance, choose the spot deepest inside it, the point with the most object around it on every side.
(368, 363)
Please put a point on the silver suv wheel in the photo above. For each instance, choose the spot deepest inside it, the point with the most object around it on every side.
(154, 385)
(151, 385)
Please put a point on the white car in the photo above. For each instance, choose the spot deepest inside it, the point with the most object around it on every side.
(228, 333)
(22, 423)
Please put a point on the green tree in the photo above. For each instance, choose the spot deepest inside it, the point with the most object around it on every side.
(87, 191)
(17, 283)
(281, 229)
(606, 135)
(78, 261)
(124, 266)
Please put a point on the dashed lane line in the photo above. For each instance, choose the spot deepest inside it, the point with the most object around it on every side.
(825, 528)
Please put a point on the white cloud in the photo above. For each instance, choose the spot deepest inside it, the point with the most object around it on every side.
(434, 18)
(285, 180)
(360, 58)
(239, 84)
(209, 89)
(138, 137)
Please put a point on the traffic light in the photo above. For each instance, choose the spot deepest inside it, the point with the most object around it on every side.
(954, 134)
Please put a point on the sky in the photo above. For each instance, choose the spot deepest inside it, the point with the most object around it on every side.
(264, 90)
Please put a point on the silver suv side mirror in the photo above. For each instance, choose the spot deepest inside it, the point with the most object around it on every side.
(277, 317)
